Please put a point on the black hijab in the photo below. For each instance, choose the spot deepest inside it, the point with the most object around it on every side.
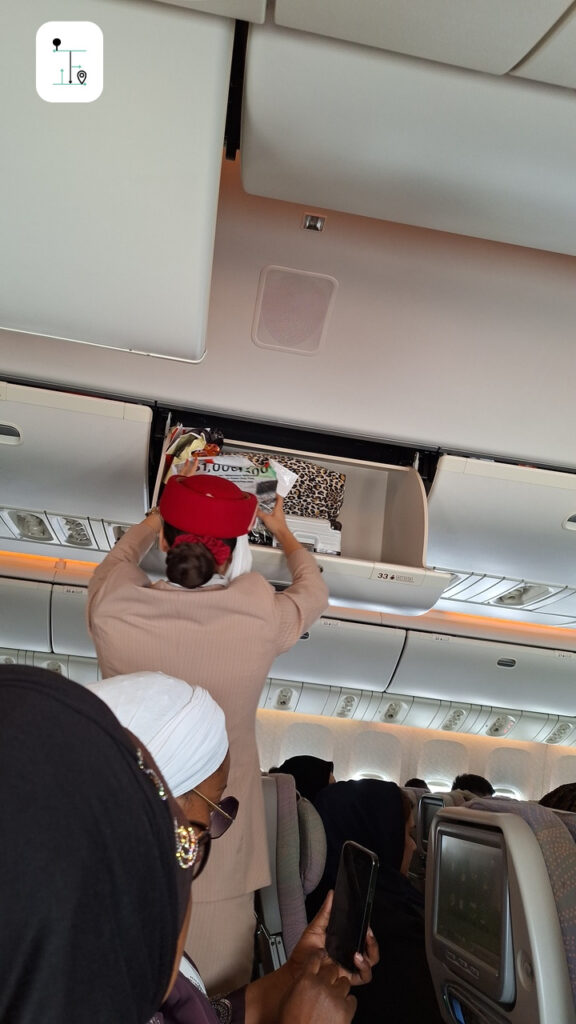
(310, 773)
(89, 900)
(371, 813)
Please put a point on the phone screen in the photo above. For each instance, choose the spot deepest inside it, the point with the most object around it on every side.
(353, 895)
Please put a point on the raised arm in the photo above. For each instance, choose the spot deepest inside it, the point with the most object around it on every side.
(126, 553)
(307, 596)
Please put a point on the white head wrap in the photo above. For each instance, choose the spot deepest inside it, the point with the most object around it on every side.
(182, 726)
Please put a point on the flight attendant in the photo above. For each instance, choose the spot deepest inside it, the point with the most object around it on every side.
(216, 625)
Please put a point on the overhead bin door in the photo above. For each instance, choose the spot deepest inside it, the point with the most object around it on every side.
(486, 35)
(68, 622)
(109, 207)
(512, 521)
(484, 672)
(74, 456)
(25, 614)
(342, 127)
(345, 654)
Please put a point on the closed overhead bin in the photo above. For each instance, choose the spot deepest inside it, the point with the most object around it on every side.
(76, 457)
(25, 614)
(342, 654)
(498, 675)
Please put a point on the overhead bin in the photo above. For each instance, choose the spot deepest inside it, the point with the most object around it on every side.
(343, 654)
(495, 674)
(242, 10)
(553, 60)
(68, 621)
(514, 521)
(25, 614)
(80, 456)
(110, 240)
(382, 565)
(485, 35)
(344, 127)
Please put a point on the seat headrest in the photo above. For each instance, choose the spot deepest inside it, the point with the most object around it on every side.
(312, 845)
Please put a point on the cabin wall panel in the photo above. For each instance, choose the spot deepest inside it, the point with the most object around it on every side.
(441, 759)
(398, 752)
(561, 767)
(513, 768)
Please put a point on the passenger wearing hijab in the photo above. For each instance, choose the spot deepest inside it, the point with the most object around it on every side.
(184, 730)
(310, 774)
(94, 859)
(221, 633)
(379, 816)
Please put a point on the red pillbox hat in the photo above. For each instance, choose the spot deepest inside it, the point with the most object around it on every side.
(207, 505)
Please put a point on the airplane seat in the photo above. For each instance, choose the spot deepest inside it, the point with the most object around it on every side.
(297, 853)
(568, 818)
(501, 913)
(426, 806)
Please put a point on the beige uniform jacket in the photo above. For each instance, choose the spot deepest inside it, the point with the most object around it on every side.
(222, 638)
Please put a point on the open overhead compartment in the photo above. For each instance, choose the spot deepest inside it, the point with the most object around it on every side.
(382, 561)
(515, 521)
(498, 675)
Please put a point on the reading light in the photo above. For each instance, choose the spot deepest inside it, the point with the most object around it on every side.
(523, 595)
(29, 526)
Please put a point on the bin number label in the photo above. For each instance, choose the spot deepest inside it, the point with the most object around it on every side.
(393, 577)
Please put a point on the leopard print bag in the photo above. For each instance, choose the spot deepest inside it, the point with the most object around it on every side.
(318, 492)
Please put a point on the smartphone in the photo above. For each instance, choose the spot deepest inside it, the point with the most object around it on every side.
(352, 904)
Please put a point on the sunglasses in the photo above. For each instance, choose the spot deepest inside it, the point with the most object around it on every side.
(222, 815)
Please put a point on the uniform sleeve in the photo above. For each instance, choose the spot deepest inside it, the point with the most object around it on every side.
(303, 601)
(121, 565)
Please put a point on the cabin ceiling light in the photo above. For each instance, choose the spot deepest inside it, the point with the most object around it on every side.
(28, 525)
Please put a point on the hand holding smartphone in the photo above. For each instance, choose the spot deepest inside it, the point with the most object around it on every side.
(352, 904)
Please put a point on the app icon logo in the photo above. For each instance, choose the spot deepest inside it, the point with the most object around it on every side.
(69, 61)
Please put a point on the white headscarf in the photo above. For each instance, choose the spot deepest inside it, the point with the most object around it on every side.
(182, 726)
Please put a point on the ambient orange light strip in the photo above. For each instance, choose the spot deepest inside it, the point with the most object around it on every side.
(42, 561)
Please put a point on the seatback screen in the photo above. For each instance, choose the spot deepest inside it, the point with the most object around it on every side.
(469, 907)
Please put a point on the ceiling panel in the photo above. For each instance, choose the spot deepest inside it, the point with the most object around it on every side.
(486, 35)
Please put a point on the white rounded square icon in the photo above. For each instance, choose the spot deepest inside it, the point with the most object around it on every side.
(69, 61)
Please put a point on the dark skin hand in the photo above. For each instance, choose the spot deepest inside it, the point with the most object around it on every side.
(321, 995)
(313, 941)
(310, 976)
